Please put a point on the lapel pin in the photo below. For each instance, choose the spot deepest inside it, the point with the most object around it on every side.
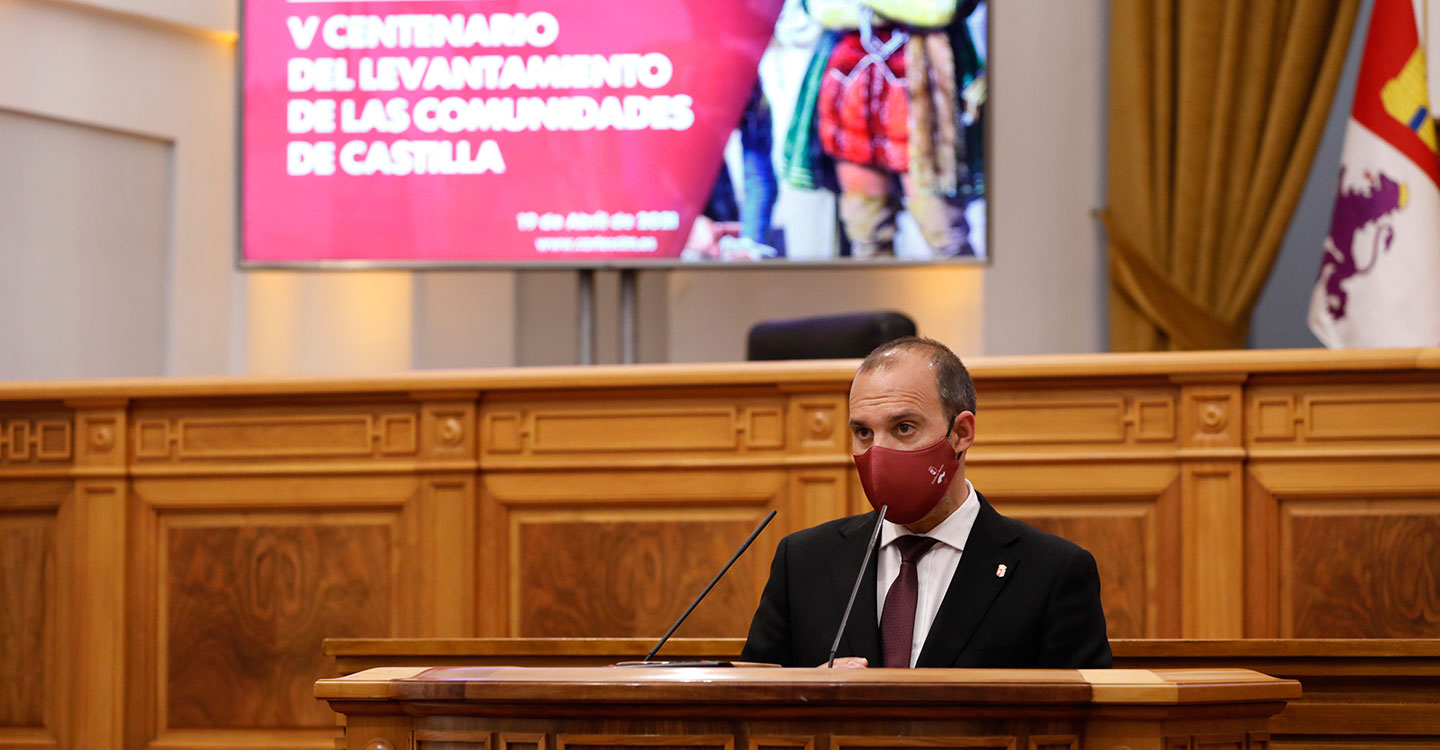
(1000, 571)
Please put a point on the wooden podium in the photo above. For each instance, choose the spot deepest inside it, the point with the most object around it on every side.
(672, 708)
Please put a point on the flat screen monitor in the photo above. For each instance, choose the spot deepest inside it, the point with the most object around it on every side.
(612, 133)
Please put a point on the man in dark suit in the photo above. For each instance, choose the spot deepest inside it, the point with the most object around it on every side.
(950, 582)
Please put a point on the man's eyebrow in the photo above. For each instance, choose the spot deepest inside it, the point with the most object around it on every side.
(903, 416)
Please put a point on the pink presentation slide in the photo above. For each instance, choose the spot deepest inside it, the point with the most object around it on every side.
(488, 131)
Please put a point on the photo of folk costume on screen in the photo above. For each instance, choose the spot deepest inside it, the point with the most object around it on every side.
(872, 114)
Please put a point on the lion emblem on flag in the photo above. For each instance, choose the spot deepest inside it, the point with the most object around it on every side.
(1355, 209)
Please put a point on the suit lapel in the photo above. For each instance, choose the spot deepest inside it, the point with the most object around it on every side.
(862, 634)
(972, 589)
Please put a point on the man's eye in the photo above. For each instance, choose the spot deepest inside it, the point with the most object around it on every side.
(862, 433)
(904, 428)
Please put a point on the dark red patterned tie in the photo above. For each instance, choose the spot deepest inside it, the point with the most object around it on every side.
(897, 621)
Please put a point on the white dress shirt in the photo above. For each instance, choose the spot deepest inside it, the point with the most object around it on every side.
(934, 570)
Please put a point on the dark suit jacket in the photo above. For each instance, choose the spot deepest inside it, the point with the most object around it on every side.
(1045, 611)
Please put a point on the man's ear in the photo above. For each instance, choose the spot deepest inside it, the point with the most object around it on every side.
(962, 432)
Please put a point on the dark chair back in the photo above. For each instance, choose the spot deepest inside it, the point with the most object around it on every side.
(826, 337)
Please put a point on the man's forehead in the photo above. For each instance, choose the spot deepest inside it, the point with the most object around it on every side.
(897, 364)
(905, 375)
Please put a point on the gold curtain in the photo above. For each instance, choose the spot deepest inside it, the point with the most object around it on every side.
(1216, 109)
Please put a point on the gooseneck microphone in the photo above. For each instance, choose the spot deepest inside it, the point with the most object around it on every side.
(713, 581)
(864, 563)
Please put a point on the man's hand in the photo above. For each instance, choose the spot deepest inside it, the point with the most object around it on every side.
(848, 662)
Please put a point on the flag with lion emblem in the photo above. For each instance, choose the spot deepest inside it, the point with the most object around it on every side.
(1379, 281)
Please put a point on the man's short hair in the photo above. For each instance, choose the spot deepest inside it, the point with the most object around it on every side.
(957, 390)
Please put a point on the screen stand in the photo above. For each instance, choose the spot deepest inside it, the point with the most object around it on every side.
(627, 315)
(587, 316)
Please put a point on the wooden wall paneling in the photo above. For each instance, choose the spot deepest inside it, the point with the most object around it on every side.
(1212, 508)
(779, 742)
(566, 741)
(858, 502)
(36, 442)
(34, 577)
(1262, 560)
(1122, 537)
(245, 577)
(1257, 462)
(142, 613)
(1095, 463)
(521, 741)
(286, 435)
(816, 496)
(27, 577)
(1135, 541)
(1298, 416)
(446, 514)
(1364, 568)
(622, 553)
(446, 550)
(818, 422)
(1103, 507)
(492, 601)
(1347, 477)
(97, 630)
(1106, 420)
(1352, 546)
(630, 572)
(633, 428)
(930, 742)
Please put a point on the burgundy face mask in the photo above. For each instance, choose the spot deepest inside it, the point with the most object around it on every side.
(910, 482)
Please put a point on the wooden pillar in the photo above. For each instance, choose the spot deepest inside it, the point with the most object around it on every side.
(96, 627)
(1212, 466)
(447, 514)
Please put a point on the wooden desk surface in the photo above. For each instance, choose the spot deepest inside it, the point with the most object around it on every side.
(748, 686)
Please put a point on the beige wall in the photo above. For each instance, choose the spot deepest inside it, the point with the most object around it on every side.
(1046, 291)
(92, 74)
(163, 70)
(60, 273)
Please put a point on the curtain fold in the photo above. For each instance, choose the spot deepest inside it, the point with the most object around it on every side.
(1216, 110)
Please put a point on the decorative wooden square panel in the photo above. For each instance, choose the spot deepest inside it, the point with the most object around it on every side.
(540, 432)
(1376, 416)
(1154, 420)
(1360, 569)
(521, 741)
(1054, 742)
(26, 578)
(276, 434)
(1010, 420)
(1123, 539)
(930, 743)
(637, 430)
(246, 602)
(26, 441)
(1274, 418)
(451, 739)
(1219, 742)
(618, 573)
(819, 424)
(648, 741)
(786, 742)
